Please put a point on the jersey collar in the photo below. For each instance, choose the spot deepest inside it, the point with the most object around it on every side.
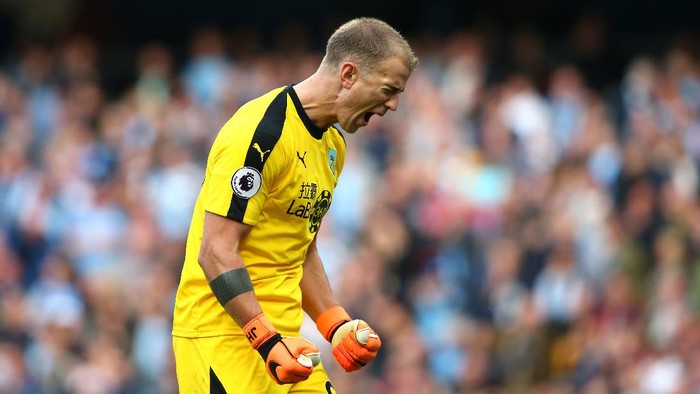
(314, 130)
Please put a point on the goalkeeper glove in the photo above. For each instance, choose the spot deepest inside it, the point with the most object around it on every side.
(354, 343)
(287, 360)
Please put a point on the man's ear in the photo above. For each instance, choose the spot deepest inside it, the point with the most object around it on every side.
(349, 73)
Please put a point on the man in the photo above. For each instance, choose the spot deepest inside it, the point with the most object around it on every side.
(251, 247)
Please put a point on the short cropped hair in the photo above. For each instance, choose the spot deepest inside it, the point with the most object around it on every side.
(367, 41)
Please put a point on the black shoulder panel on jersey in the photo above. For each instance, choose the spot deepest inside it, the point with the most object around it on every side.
(263, 142)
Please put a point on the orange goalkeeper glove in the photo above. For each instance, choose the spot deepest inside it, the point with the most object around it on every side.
(287, 360)
(354, 343)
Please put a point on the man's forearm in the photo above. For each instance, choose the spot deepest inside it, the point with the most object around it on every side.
(317, 295)
(225, 270)
(234, 290)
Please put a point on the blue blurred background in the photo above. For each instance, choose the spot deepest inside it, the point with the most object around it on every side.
(527, 222)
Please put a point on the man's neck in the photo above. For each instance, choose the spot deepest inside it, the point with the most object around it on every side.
(318, 96)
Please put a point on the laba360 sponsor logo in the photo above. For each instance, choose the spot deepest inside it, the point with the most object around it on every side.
(305, 207)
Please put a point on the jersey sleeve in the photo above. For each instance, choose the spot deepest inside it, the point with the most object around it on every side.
(248, 210)
(244, 163)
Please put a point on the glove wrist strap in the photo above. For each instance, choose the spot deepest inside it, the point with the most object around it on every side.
(265, 347)
(259, 331)
(329, 321)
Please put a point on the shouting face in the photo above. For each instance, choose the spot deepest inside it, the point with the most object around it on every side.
(370, 92)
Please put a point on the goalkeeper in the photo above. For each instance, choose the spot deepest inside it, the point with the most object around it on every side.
(251, 263)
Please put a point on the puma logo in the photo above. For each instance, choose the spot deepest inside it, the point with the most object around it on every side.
(302, 158)
(262, 154)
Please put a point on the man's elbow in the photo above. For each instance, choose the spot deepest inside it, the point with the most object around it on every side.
(205, 256)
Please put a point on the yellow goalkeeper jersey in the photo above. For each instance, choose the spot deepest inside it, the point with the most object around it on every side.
(272, 168)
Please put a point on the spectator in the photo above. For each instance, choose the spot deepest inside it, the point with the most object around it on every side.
(527, 228)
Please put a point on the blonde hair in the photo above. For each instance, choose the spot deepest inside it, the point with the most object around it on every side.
(367, 41)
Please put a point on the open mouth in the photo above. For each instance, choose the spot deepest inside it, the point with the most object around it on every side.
(368, 115)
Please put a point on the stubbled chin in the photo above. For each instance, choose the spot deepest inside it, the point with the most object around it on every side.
(349, 128)
(361, 122)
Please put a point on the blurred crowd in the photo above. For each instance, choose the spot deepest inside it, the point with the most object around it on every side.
(522, 224)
